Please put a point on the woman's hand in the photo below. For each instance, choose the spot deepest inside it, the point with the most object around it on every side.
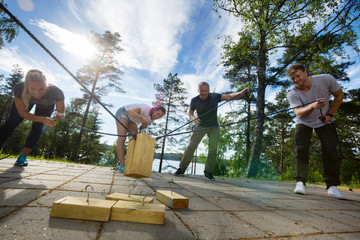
(48, 122)
(144, 123)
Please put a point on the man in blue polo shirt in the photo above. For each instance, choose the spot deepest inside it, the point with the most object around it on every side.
(205, 105)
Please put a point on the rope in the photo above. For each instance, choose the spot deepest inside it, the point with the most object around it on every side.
(62, 65)
(169, 133)
(90, 130)
(229, 124)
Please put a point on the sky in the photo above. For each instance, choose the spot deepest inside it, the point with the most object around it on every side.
(158, 37)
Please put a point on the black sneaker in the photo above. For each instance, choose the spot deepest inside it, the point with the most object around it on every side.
(209, 176)
(179, 172)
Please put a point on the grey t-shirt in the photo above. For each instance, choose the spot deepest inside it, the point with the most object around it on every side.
(322, 86)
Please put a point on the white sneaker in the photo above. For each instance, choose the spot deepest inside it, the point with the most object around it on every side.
(299, 188)
(333, 191)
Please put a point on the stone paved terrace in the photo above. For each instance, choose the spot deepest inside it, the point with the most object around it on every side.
(224, 209)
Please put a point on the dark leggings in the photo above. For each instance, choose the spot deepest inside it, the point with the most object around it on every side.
(7, 129)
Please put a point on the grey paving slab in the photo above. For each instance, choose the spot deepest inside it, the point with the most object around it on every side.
(50, 198)
(18, 197)
(173, 228)
(34, 223)
(224, 209)
(219, 225)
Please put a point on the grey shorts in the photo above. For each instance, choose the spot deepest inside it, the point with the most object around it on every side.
(121, 113)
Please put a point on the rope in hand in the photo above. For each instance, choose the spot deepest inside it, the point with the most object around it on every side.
(241, 121)
(90, 130)
(170, 133)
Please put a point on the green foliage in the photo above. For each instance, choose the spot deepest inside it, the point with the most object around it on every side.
(8, 28)
(315, 32)
(171, 94)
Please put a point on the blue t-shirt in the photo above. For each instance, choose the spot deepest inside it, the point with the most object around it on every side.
(53, 95)
(210, 118)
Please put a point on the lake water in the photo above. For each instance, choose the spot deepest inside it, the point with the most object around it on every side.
(170, 166)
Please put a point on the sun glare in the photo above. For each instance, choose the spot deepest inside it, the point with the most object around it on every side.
(80, 46)
(26, 5)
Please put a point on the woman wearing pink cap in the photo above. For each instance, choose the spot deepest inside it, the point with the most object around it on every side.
(129, 116)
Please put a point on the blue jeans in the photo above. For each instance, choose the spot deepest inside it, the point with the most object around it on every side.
(7, 129)
(213, 134)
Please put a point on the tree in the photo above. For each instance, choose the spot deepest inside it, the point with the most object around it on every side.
(299, 27)
(173, 95)
(8, 89)
(278, 129)
(102, 68)
(8, 28)
(241, 72)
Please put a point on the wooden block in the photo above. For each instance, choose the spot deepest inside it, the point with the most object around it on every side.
(137, 212)
(173, 199)
(79, 208)
(126, 197)
(140, 156)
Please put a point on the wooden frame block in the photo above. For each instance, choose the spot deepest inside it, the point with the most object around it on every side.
(140, 156)
(79, 208)
(137, 212)
(173, 199)
(126, 197)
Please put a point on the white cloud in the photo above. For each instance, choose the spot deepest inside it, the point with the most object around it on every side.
(71, 42)
(149, 29)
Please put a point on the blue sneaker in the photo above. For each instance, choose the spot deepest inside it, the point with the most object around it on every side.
(21, 161)
(121, 168)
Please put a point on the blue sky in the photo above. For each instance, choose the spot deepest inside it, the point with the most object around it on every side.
(158, 37)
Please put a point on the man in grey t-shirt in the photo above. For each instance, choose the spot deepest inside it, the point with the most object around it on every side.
(318, 116)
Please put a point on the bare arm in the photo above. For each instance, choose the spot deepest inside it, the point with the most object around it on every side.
(235, 96)
(135, 113)
(192, 117)
(60, 109)
(335, 105)
(20, 107)
(302, 112)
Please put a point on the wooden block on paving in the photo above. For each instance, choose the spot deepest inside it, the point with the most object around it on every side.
(173, 199)
(140, 156)
(126, 197)
(79, 208)
(137, 212)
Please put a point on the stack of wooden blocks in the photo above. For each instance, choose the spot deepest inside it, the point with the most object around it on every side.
(124, 207)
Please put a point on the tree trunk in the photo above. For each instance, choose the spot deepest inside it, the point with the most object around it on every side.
(260, 106)
(166, 126)
(282, 149)
(74, 155)
(247, 151)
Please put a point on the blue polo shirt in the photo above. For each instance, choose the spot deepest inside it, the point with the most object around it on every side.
(201, 107)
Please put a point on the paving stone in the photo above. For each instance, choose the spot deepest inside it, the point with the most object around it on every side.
(317, 221)
(173, 228)
(50, 198)
(233, 204)
(34, 223)
(6, 210)
(224, 209)
(32, 183)
(274, 224)
(219, 225)
(77, 186)
(18, 197)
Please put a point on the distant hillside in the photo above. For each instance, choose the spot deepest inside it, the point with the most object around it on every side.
(169, 156)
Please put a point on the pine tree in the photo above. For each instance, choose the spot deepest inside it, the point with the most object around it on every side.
(172, 93)
(101, 74)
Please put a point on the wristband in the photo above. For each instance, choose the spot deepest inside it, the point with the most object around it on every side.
(330, 115)
(61, 115)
